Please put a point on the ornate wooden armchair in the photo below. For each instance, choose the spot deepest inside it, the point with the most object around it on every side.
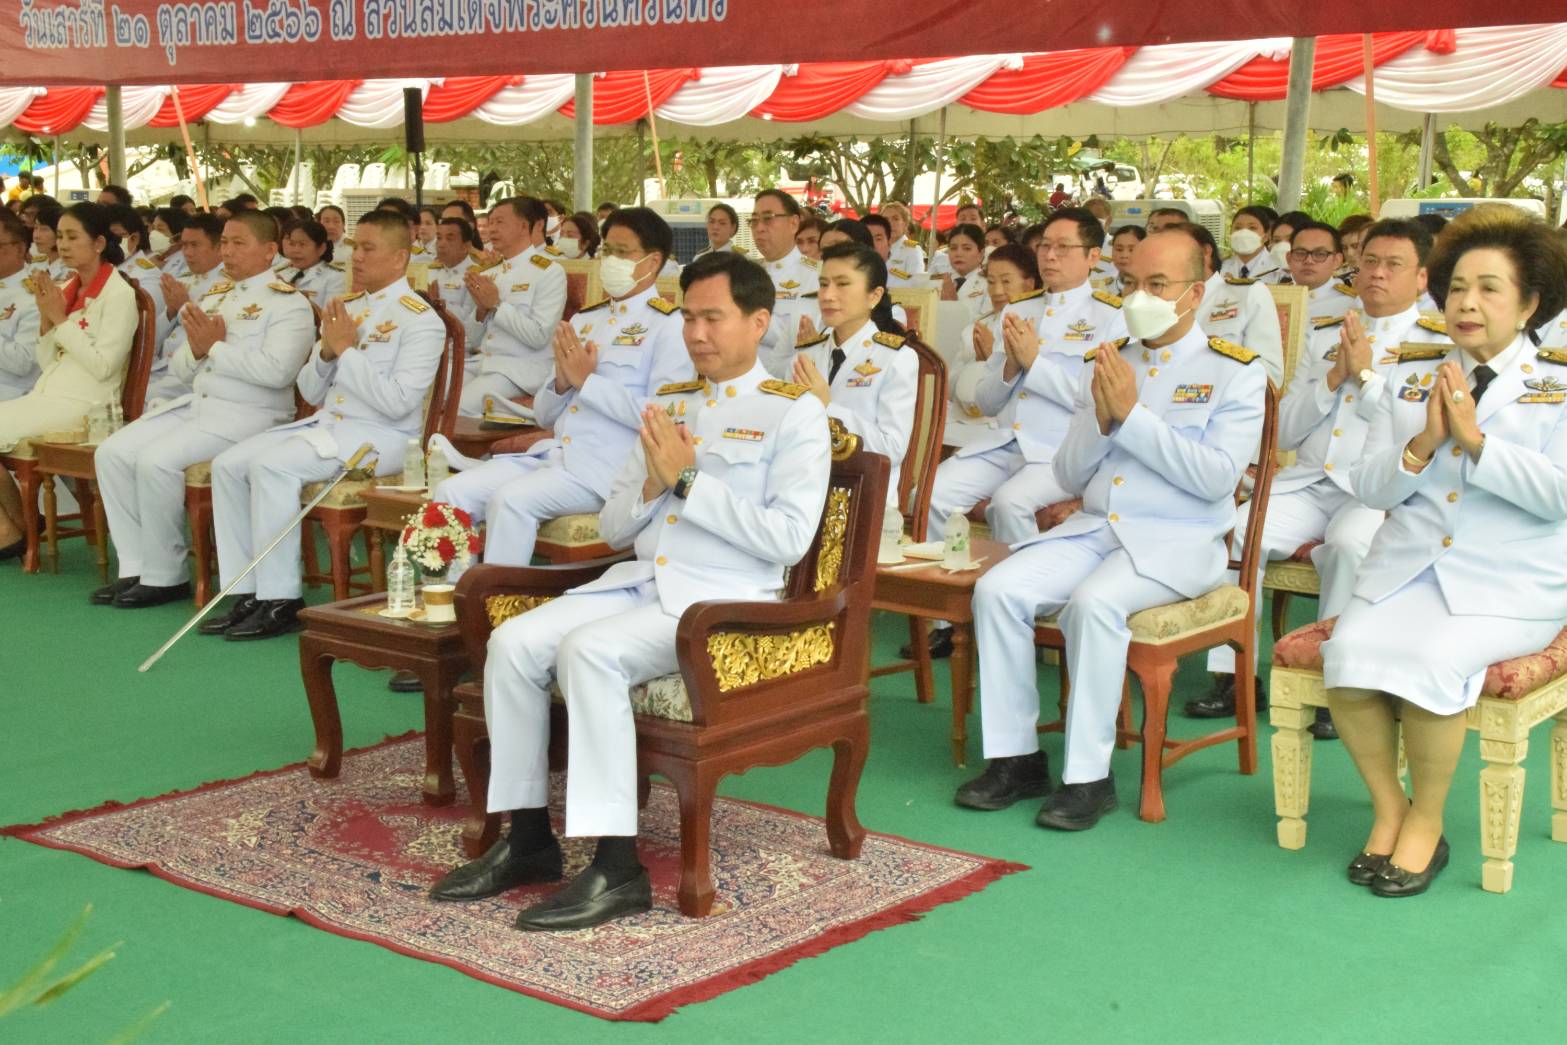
(1163, 634)
(759, 684)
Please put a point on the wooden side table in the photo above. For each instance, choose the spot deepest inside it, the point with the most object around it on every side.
(470, 440)
(353, 630)
(73, 461)
(931, 593)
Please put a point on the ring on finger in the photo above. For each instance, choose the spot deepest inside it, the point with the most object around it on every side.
(1458, 397)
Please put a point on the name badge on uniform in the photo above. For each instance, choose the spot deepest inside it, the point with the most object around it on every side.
(518, 288)
(1192, 394)
(1082, 330)
(383, 333)
(1219, 315)
(1543, 390)
(749, 435)
(627, 340)
(250, 311)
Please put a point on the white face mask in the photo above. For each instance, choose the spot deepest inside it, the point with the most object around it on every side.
(1245, 242)
(157, 242)
(570, 246)
(1280, 252)
(619, 276)
(551, 226)
(1148, 316)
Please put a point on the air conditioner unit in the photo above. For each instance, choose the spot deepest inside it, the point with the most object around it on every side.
(688, 219)
(1405, 208)
(1206, 213)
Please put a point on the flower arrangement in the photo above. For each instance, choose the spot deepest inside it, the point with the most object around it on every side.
(438, 535)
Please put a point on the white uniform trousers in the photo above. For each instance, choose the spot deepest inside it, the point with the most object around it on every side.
(1016, 488)
(513, 496)
(1090, 580)
(476, 388)
(598, 645)
(141, 478)
(255, 492)
(1319, 512)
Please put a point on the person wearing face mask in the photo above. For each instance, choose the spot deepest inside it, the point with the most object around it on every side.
(1469, 460)
(722, 224)
(520, 301)
(774, 220)
(141, 269)
(608, 359)
(18, 312)
(1238, 310)
(455, 255)
(201, 242)
(556, 211)
(579, 237)
(1315, 255)
(1010, 272)
(1162, 430)
(239, 352)
(964, 280)
(311, 269)
(163, 240)
(868, 380)
(1280, 236)
(1337, 388)
(1249, 257)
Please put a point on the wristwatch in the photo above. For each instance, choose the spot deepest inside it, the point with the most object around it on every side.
(683, 482)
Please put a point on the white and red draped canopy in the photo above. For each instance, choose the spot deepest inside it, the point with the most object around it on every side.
(1440, 71)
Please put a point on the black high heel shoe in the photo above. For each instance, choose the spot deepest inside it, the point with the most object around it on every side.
(1364, 868)
(1393, 880)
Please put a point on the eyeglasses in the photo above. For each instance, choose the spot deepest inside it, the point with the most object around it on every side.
(1299, 254)
(1155, 286)
(1061, 248)
(631, 254)
(757, 219)
(1393, 265)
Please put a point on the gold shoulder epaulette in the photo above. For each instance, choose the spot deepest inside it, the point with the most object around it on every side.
(342, 266)
(219, 288)
(283, 288)
(1345, 289)
(910, 241)
(1436, 326)
(1238, 281)
(413, 304)
(887, 340)
(1415, 352)
(592, 307)
(1323, 322)
(812, 342)
(1552, 355)
(436, 266)
(1120, 342)
(1030, 296)
(1108, 298)
(787, 389)
(680, 387)
(1236, 352)
(900, 273)
(663, 305)
(554, 250)
(355, 296)
(144, 263)
(811, 263)
(541, 261)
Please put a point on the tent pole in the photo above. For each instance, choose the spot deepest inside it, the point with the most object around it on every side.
(1251, 149)
(299, 157)
(1297, 118)
(1427, 134)
(1373, 189)
(56, 166)
(190, 150)
(642, 163)
(112, 102)
(935, 206)
(652, 122)
(1561, 214)
(582, 153)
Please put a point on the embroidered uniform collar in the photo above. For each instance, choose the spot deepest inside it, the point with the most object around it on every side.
(788, 261)
(1076, 295)
(861, 338)
(1383, 330)
(1499, 364)
(746, 382)
(1178, 350)
(634, 302)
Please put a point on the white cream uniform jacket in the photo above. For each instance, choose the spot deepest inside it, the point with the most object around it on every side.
(1036, 407)
(519, 334)
(874, 394)
(641, 348)
(1242, 312)
(245, 383)
(162, 384)
(1329, 302)
(321, 282)
(763, 457)
(908, 255)
(1491, 529)
(1327, 429)
(974, 293)
(459, 302)
(796, 279)
(1553, 333)
(18, 336)
(1163, 481)
(1263, 268)
(375, 391)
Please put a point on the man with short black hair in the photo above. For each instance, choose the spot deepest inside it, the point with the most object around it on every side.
(115, 195)
(18, 311)
(456, 252)
(201, 245)
(1315, 255)
(1161, 218)
(724, 494)
(774, 220)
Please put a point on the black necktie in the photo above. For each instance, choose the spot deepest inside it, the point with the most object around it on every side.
(958, 283)
(297, 277)
(1245, 271)
(1483, 376)
(838, 356)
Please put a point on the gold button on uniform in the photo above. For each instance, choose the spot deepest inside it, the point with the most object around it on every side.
(1022, 395)
(1016, 426)
(1349, 399)
(671, 519)
(1336, 432)
(340, 399)
(730, 391)
(566, 439)
(1452, 498)
(1458, 451)
(574, 410)
(1153, 371)
(1328, 467)
(1114, 517)
(712, 402)
(661, 561)
(1447, 542)
(697, 441)
(1119, 481)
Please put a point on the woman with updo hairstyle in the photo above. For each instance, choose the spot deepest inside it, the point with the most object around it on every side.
(579, 236)
(966, 256)
(87, 328)
(861, 368)
(1009, 273)
(1467, 454)
(311, 269)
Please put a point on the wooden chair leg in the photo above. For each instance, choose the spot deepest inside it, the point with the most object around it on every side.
(471, 741)
(27, 481)
(1123, 718)
(1292, 747)
(844, 831)
(919, 645)
(100, 536)
(1504, 743)
(340, 546)
(1559, 779)
(1246, 708)
(695, 786)
(198, 509)
(312, 561)
(1281, 614)
(375, 544)
(51, 524)
(1157, 679)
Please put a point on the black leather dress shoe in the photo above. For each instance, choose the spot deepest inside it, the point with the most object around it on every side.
(272, 617)
(1393, 880)
(1365, 866)
(940, 645)
(144, 595)
(239, 611)
(589, 900)
(1077, 807)
(1323, 728)
(405, 682)
(1005, 781)
(1221, 702)
(105, 595)
(497, 871)
(13, 550)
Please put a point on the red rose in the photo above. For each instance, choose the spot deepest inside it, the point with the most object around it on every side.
(433, 516)
(446, 549)
(463, 517)
(473, 544)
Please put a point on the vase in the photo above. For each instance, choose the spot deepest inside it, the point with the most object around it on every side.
(438, 598)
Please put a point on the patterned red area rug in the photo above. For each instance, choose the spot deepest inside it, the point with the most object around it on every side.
(355, 855)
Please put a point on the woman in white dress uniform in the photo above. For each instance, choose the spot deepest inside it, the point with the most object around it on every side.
(311, 269)
(86, 331)
(1469, 460)
(1010, 272)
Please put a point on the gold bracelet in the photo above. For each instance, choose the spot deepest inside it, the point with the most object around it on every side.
(1412, 462)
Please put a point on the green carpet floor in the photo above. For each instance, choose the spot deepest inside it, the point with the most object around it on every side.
(1199, 929)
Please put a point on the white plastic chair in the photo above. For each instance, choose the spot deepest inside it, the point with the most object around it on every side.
(373, 176)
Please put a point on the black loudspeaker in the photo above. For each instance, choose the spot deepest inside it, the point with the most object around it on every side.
(413, 119)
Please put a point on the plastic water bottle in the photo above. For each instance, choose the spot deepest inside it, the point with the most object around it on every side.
(891, 534)
(437, 468)
(955, 543)
(116, 417)
(413, 465)
(400, 584)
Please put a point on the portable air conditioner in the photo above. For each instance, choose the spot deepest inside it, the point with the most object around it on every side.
(1206, 213)
(1405, 208)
